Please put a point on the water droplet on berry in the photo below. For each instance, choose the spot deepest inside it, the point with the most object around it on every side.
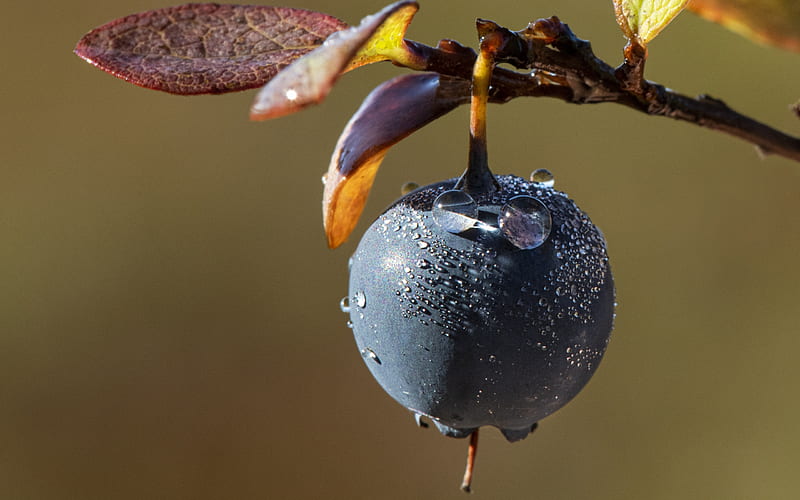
(360, 299)
(544, 177)
(408, 187)
(368, 353)
(455, 211)
(525, 222)
(344, 305)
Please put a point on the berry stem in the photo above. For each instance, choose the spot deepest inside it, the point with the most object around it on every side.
(478, 178)
(466, 484)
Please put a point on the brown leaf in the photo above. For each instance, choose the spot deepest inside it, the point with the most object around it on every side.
(205, 48)
(390, 113)
(309, 80)
(774, 22)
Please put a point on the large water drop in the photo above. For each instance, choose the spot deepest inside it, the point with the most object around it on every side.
(455, 211)
(525, 222)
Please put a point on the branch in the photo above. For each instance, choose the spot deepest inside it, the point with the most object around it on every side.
(564, 67)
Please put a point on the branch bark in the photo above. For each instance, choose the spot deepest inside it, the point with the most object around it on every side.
(562, 66)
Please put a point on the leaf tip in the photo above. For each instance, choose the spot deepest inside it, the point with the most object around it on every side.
(83, 49)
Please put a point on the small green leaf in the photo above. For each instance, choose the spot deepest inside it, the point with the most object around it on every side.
(774, 22)
(308, 80)
(643, 20)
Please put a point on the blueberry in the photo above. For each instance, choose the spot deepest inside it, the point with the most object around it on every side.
(495, 314)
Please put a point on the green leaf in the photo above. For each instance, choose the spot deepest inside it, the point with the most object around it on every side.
(774, 22)
(308, 80)
(205, 48)
(643, 20)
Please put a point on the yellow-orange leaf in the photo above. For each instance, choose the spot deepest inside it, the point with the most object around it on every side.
(388, 41)
(774, 22)
(643, 20)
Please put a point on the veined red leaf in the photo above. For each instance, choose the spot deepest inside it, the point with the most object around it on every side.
(774, 22)
(205, 48)
(309, 79)
(393, 111)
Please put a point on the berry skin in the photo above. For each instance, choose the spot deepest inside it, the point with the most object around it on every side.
(468, 325)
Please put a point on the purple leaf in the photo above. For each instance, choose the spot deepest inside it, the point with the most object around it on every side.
(390, 113)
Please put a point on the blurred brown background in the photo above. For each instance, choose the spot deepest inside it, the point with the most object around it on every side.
(169, 320)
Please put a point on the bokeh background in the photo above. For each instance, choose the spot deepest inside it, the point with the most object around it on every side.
(169, 320)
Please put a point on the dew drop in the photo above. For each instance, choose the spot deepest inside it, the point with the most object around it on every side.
(544, 177)
(368, 353)
(408, 187)
(360, 299)
(525, 222)
(455, 211)
(344, 305)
